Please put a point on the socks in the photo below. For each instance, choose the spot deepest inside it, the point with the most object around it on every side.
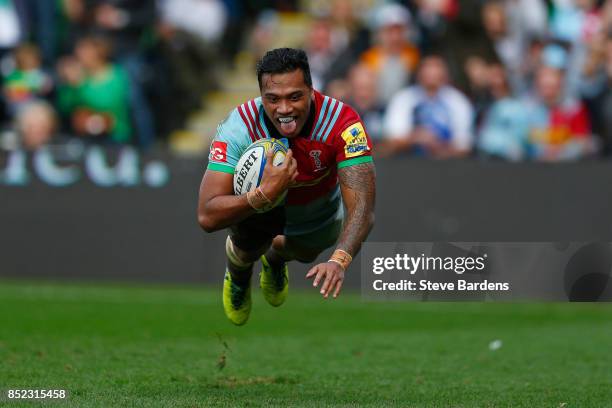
(275, 260)
(239, 270)
(240, 275)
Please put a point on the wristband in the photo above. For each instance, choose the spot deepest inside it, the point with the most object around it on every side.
(258, 200)
(342, 258)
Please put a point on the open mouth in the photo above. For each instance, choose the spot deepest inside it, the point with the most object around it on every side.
(288, 124)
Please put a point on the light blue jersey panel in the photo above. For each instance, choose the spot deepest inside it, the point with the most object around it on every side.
(231, 140)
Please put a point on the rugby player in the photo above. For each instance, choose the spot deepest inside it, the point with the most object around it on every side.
(329, 162)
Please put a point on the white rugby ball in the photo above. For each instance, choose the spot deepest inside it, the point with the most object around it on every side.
(250, 167)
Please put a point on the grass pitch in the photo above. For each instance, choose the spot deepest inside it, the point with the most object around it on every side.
(172, 347)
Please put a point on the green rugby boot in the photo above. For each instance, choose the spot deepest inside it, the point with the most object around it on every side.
(274, 285)
(236, 300)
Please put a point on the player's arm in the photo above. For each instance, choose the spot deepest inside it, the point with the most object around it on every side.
(219, 208)
(358, 187)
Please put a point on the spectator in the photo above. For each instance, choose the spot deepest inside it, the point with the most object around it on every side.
(458, 36)
(362, 97)
(28, 81)
(348, 30)
(36, 124)
(204, 19)
(264, 33)
(576, 23)
(189, 32)
(349, 37)
(432, 18)
(505, 128)
(559, 126)
(12, 31)
(41, 26)
(95, 93)
(596, 89)
(478, 90)
(508, 36)
(394, 58)
(125, 23)
(431, 118)
(320, 50)
(530, 62)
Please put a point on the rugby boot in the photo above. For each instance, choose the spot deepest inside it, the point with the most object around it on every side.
(236, 300)
(274, 284)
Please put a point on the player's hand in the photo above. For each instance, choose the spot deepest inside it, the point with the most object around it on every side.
(277, 179)
(332, 276)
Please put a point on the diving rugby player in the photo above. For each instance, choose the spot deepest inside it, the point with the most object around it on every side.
(329, 162)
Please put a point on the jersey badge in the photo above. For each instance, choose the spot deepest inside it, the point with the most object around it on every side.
(218, 151)
(356, 142)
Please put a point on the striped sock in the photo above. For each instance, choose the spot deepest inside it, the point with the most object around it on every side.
(239, 270)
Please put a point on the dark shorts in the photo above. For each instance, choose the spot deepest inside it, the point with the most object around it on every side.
(258, 230)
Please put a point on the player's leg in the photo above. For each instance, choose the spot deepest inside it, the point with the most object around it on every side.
(303, 248)
(274, 277)
(247, 241)
(287, 248)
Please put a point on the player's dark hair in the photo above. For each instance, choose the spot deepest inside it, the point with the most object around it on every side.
(283, 60)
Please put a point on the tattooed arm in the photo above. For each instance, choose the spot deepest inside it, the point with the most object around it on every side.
(358, 186)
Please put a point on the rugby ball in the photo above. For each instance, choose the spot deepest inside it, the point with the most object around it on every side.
(250, 167)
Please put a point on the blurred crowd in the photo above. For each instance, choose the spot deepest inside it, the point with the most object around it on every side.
(499, 79)
(110, 71)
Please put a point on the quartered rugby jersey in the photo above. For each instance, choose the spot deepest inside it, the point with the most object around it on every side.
(332, 138)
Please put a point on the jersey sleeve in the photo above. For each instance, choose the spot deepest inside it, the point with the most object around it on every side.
(353, 145)
(231, 140)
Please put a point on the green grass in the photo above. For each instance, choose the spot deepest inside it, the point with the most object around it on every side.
(163, 347)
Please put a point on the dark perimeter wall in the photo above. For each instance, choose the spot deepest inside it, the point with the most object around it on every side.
(144, 233)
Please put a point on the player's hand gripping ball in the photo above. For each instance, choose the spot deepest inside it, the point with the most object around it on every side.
(250, 167)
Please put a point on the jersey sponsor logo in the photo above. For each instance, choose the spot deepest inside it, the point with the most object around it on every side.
(218, 151)
(356, 142)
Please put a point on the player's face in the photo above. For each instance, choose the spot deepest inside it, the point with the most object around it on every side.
(286, 100)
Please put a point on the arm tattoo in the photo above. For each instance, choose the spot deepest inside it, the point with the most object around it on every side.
(359, 192)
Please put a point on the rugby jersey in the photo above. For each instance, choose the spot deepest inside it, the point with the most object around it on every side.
(334, 137)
